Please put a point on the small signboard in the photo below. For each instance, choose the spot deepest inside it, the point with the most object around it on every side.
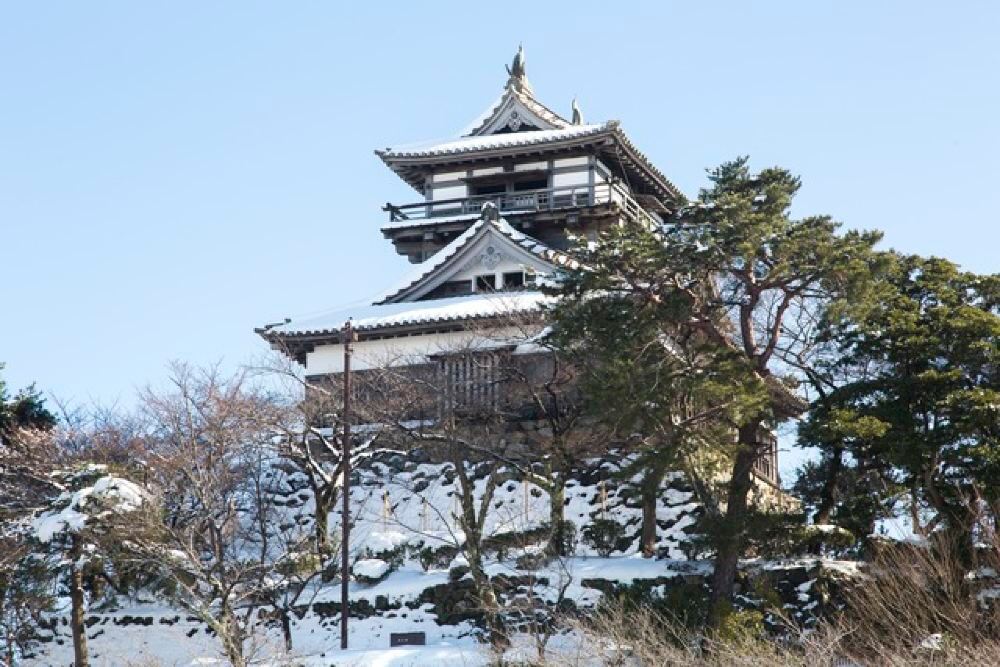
(407, 639)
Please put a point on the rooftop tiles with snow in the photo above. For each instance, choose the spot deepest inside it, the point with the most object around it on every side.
(490, 141)
(468, 307)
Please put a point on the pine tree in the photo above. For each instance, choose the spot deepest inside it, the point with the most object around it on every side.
(26, 409)
(666, 391)
(737, 271)
(925, 415)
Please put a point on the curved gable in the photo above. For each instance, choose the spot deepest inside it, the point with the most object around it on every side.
(516, 112)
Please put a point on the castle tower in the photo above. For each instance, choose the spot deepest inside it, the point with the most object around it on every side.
(495, 209)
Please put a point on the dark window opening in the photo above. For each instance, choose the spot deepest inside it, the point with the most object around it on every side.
(486, 283)
(451, 288)
(535, 184)
(489, 189)
(524, 127)
(513, 280)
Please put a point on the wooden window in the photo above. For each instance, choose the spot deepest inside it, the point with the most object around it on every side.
(471, 381)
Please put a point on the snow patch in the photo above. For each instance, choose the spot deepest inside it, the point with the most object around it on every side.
(371, 568)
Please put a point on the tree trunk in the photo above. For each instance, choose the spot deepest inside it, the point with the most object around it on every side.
(80, 658)
(731, 535)
(488, 602)
(322, 523)
(286, 629)
(650, 493)
(10, 647)
(649, 498)
(231, 637)
(474, 554)
(557, 517)
(828, 494)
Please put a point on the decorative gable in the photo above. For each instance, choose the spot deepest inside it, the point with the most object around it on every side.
(489, 249)
(515, 112)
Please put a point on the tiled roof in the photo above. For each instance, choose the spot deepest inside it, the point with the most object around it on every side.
(509, 96)
(439, 259)
(490, 141)
(430, 222)
(460, 308)
(400, 159)
(444, 220)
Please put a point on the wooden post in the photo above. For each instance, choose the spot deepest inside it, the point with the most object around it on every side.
(345, 521)
(604, 500)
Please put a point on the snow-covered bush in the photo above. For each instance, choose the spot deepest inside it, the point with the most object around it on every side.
(95, 498)
(371, 570)
(603, 535)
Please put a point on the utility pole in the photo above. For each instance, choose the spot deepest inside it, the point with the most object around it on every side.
(345, 521)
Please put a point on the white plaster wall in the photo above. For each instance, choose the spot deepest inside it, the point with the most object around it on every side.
(571, 178)
(450, 192)
(506, 265)
(406, 351)
(572, 161)
(448, 176)
(531, 166)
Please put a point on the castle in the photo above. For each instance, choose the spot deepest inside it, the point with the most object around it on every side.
(500, 206)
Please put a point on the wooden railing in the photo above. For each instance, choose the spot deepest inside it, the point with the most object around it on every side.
(548, 199)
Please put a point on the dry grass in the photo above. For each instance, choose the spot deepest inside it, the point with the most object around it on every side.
(917, 606)
(641, 639)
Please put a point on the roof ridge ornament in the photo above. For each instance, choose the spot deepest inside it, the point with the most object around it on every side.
(577, 114)
(490, 212)
(518, 77)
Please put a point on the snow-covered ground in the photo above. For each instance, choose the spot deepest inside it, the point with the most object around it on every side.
(405, 509)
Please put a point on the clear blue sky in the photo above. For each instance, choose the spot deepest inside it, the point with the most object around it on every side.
(174, 174)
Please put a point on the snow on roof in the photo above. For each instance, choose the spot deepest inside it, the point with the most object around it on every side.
(433, 262)
(509, 97)
(430, 222)
(471, 306)
(440, 258)
(485, 116)
(444, 220)
(507, 140)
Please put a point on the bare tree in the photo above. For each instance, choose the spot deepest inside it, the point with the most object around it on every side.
(461, 425)
(545, 401)
(311, 440)
(210, 449)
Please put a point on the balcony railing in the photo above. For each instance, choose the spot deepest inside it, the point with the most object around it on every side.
(528, 201)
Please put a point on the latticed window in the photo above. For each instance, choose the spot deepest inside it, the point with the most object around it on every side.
(766, 464)
(472, 381)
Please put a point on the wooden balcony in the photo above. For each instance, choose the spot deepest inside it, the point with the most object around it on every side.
(528, 201)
